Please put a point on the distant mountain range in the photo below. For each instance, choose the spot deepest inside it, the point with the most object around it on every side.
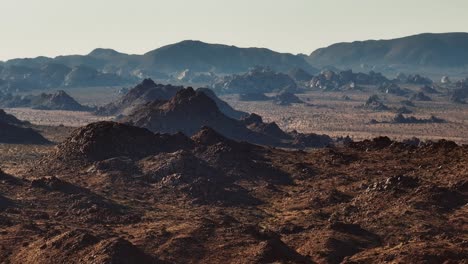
(106, 67)
(425, 53)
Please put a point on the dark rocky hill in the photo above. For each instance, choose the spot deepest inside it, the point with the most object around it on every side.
(14, 131)
(148, 91)
(189, 110)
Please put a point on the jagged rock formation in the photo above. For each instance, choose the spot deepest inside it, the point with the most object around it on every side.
(257, 80)
(188, 111)
(14, 131)
(148, 91)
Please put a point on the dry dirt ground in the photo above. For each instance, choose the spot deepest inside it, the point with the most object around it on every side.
(370, 202)
(55, 117)
(329, 114)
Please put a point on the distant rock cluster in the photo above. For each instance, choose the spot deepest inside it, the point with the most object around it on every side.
(183, 62)
(59, 100)
(329, 80)
(401, 119)
(258, 80)
(413, 79)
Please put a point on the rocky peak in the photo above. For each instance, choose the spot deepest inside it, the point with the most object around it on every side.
(188, 100)
(208, 136)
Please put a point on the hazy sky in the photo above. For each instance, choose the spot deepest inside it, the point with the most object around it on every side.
(30, 28)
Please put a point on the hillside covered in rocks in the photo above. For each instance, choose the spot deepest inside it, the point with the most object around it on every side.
(122, 192)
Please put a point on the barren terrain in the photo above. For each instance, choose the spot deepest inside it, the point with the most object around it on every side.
(109, 197)
(113, 193)
(328, 113)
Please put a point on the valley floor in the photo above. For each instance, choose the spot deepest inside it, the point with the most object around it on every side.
(327, 113)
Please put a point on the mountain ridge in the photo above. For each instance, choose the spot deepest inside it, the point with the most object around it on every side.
(421, 51)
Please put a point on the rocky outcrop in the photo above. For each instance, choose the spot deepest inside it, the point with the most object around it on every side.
(413, 79)
(257, 80)
(104, 140)
(148, 91)
(375, 104)
(329, 80)
(402, 119)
